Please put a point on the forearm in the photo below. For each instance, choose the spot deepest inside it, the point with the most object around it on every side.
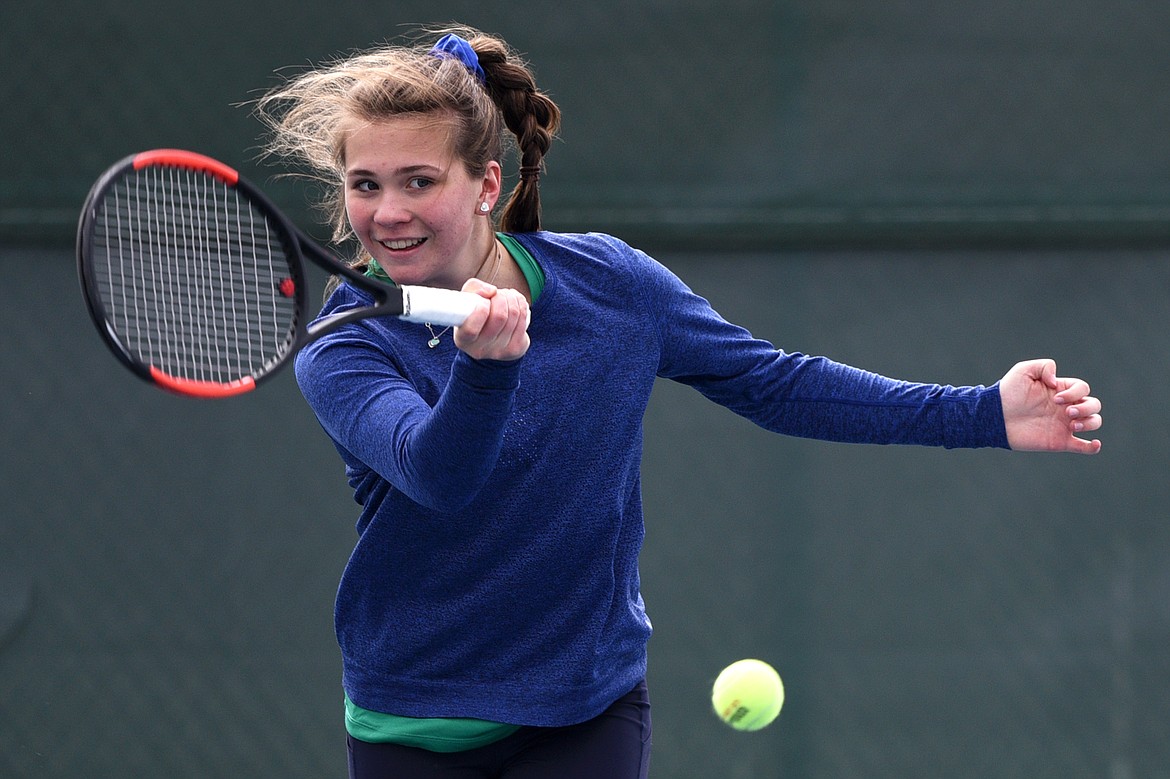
(443, 458)
(813, 397)
(438, 456)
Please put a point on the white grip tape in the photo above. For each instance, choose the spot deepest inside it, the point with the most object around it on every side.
(437, 306)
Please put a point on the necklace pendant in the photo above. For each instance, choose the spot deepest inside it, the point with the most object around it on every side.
(433, 342)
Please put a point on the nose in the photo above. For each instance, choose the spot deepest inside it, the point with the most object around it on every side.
(391, 211)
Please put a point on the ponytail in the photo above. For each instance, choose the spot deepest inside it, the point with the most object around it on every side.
(531, 116)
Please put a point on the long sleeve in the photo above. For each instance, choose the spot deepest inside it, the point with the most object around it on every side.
(440, 455)
(806, 396)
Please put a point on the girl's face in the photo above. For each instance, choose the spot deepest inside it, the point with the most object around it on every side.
(412, 203)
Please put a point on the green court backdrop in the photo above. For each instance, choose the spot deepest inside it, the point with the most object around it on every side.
(928, 190)
(746, 121)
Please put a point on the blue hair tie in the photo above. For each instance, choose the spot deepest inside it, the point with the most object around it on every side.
(451, 45)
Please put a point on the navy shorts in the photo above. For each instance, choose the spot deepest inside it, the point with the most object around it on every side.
(615, 745)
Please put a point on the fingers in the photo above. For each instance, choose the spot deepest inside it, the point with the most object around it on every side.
(1083, 412)
(1081, 446)
(1086, 424)
(1070, 390)
(1084, 417)
(497, 329)
(1082, 409)
(479, 287)
(507, 312)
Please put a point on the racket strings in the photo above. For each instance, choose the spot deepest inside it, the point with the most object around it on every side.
(190, 274)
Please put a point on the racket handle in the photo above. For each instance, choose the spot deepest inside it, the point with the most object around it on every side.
(437, 306)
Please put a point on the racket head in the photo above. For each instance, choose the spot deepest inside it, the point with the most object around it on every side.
(194, 279)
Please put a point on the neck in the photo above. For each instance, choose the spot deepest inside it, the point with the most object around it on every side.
(490, 267)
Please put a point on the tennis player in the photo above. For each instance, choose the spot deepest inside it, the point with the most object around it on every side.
(490, 619)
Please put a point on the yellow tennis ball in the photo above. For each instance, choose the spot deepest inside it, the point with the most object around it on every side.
(748, 694)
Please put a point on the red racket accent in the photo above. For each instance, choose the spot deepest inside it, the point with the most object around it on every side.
(187, 159)
(196, 280)
(202, 389)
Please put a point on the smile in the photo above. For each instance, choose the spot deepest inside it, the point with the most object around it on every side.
(405, 243)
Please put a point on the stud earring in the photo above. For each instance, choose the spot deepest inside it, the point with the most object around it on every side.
(484, 207)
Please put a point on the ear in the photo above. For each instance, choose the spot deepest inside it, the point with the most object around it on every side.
(493, 178)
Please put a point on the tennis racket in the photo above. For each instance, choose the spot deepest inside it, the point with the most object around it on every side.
(196, 281)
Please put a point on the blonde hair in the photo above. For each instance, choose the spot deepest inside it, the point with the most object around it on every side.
(309, 115)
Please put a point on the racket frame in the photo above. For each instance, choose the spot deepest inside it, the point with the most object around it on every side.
(441, 307)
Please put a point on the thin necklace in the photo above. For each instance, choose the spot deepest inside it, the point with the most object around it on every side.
(436, 336)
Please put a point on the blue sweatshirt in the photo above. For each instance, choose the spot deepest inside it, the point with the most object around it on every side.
(495, 574)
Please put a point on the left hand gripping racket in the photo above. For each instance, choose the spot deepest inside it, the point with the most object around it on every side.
(196, 281)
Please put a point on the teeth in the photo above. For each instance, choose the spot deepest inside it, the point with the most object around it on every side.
(403, 244)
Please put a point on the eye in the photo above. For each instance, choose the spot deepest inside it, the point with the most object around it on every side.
(364, 185)
(419, 182)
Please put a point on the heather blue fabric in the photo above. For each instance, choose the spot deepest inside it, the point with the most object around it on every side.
(495, 571)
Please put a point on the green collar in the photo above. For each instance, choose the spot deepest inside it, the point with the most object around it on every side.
(374, 271)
